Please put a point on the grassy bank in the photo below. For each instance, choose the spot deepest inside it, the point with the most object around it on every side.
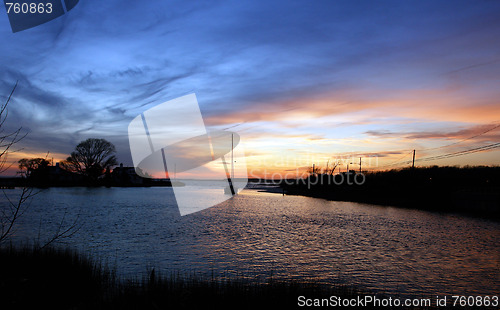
(63, 279)
(470, 190)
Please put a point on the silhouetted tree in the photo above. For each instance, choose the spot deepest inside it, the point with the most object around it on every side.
(91, 158)
(28, 165)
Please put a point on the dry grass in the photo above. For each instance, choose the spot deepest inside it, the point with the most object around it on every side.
(63, 279)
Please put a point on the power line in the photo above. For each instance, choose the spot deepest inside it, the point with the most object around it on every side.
(460, 153)
(449, 155)
(396, 162)
(458, 142)
(466, 152)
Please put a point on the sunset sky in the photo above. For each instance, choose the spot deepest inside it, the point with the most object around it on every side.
(302, 82)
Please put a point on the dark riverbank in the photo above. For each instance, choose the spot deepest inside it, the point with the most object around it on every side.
(13, 182)
(474, 191)
(63, 279)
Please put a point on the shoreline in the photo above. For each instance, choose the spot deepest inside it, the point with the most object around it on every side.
(461, 205)
(472, 191)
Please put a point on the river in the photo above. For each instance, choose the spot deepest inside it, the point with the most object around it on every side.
(259, 235)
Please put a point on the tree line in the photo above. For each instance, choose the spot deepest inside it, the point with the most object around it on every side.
(91, 159)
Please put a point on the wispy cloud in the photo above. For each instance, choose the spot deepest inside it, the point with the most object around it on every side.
(370, 77)
(481, 133)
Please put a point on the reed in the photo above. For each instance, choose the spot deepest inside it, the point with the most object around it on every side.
(65, 279)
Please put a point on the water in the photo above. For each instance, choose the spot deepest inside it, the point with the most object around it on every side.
(258, 235)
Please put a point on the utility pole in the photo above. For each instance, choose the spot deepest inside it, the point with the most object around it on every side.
(413, 165)
(313, 169)
(360, 165)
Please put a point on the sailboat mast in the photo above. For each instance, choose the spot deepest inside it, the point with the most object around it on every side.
(232, 159)
(229, 174)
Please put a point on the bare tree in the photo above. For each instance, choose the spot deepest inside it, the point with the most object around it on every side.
(64, 230)
(91, 158)
(10, 212)
(7, 140)
(331, 171)
(314, 169)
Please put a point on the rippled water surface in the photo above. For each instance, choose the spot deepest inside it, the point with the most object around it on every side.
(256, 234)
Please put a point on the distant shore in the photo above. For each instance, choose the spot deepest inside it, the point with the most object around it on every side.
(466, 203)
(13, 182)
(473, 191)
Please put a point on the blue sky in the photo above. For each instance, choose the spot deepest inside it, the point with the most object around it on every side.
(332, 77)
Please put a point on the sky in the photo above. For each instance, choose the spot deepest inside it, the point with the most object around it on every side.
(301, 82)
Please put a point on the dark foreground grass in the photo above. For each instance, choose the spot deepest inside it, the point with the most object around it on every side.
(51, 278)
